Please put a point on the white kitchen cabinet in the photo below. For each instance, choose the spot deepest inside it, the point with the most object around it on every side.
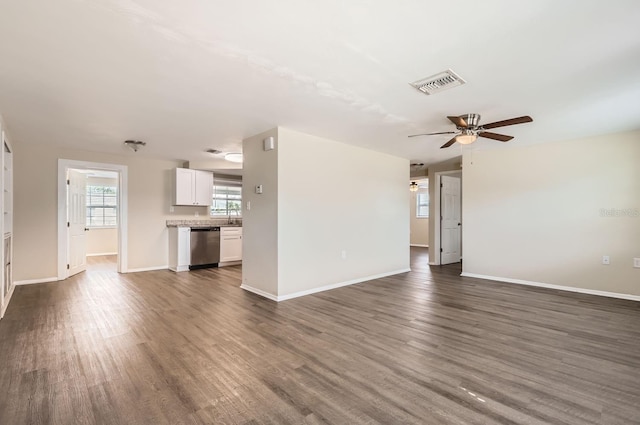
(230, 244)
(179, 248)
(192, 187)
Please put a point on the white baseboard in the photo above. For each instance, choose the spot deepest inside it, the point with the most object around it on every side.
(340, 284)
(147, 269)
(179, 268)
(558, 287)
(259, 292)
(419, 245)
(321, 288)
(101, 254)
(7, 301)
(32, 281)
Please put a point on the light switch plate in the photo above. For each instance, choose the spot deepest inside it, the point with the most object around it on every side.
(605, 260)
(259, 189)
(636, 263)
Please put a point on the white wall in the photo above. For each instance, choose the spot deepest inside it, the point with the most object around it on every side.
(334, 197)
(260, 224)
(321, 198)
(102, 241)
(534, 213)
(35, 207)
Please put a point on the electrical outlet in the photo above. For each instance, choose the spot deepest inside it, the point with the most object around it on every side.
(343, 254)
(605, 260)
(197, 214)
(172, 209)
(636, 263)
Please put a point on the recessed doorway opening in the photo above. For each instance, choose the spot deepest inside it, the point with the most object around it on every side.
(92, 217)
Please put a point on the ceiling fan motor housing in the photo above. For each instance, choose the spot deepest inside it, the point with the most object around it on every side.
(472, 120)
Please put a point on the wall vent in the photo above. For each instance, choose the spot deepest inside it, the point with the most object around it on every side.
(439, 82)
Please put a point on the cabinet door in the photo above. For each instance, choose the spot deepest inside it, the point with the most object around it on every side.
(185, 187)
(203, 188)
(230, 244)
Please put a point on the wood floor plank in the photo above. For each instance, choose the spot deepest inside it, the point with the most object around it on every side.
(424, 347)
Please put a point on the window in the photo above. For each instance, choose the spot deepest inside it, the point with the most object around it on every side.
(422, 205)
(102, 206)
(227, 198)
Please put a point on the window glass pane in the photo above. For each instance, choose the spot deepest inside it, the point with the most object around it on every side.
(227, 201)
(422, 205)
(101, 205)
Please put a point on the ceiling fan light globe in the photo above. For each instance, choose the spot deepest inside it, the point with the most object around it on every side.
(466, 139)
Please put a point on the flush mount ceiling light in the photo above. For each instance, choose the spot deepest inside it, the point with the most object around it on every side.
(135, 144)
(413, 187)
(233, 157)
(467, 137)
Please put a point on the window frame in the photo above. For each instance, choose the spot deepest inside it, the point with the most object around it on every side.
(89, 207)
(226, 184)
(419, 205)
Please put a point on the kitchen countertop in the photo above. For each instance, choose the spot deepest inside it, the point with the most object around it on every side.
(215, 222)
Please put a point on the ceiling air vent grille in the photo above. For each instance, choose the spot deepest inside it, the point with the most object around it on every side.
(439, 82)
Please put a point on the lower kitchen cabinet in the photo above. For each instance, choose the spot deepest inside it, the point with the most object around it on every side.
(230, 244)
(179, 248)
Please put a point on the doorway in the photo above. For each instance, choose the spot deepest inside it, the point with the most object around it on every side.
(447, 203)
(92, 216)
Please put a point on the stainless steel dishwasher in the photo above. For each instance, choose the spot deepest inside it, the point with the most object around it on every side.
(205, 247)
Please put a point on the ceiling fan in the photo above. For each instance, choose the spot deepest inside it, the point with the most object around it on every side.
(468, 129)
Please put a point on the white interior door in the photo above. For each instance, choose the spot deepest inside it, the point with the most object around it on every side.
(77, 207)
(450, 222)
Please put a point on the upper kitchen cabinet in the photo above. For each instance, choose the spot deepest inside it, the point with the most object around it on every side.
(192, 187)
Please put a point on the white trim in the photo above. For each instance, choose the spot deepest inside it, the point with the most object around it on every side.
(340, 284)
(419, 245)
(558, 287)
(32, 281)
(321, 288)
(179, 269)
(259, 292)
(102, 253)
(147, 269)
(438, 221)
(7, 300)
(63, 166)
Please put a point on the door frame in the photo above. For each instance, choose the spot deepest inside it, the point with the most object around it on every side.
(434, 260)
(63, 166)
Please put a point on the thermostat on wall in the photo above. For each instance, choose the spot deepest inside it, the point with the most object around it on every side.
(259, 189)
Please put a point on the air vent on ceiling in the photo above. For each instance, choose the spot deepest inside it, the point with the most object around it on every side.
(439, 82)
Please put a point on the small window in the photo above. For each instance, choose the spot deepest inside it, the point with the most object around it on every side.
(227, 201)
(102, 208)
(422, 205)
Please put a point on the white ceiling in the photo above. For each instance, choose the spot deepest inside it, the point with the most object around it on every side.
(189, 75)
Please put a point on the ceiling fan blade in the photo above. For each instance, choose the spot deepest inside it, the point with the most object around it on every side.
(449, 143)
(512, 121)
(495, 136)
(433, 134)
(458, 121)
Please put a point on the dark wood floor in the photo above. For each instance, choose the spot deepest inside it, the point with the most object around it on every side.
(425, 347)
